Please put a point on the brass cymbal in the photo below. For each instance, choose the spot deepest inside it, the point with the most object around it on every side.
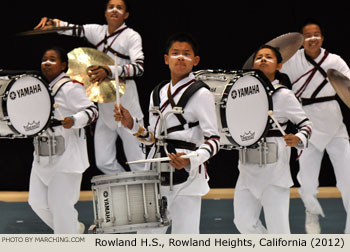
(44, 31)
(341, 85)
(79, 60)
(287, 43)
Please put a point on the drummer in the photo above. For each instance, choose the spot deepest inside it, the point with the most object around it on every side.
(114, 38)
(198, 135)
(267, 186)
(308, 72)
(55, 180)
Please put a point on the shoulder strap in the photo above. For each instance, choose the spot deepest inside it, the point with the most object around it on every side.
(191, 90)
(155, 94)
(185, 97)
(321, 70)
(59, 84)
(277, 87)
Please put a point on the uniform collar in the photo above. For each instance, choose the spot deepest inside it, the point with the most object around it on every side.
(60, 76)
(182, 82)
(119, 28)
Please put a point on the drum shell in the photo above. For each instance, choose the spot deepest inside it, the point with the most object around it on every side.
(221, 83)
(127, 201)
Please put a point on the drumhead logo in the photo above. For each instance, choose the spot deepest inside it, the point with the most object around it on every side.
(107, 206)
(31, 126)
(247, 136)
(25, 91)
(241, 92)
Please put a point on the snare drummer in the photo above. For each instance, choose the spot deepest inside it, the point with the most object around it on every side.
(200, 133)
(115, 38)
(267, 186)
(55, 180)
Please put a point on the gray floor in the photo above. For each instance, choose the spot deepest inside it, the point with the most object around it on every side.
(217, 215)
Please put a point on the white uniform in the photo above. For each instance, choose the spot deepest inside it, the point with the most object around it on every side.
(127, 44)
(268, 186)
(184, 202)
(55, 185)
(329, 131)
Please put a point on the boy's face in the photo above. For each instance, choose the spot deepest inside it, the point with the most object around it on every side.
(116, 13)
(181, 59)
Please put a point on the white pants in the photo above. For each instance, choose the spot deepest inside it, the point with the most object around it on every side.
(184, 212)
(310, 164)
(105, 149)
(247, 209)
(54, 203)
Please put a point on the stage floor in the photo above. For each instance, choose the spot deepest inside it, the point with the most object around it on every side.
(217, 213)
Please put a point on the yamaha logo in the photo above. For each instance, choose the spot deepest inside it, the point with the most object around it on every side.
(13, 95)
(234, 94)
(245, 91)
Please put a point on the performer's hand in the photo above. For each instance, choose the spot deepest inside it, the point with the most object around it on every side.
(68, 122)
(177, 161)
(46, 23)
(98, 73)
(291, 140)
(123, 116)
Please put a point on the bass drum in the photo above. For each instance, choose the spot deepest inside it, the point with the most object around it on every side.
(25, 106)
(242, 99)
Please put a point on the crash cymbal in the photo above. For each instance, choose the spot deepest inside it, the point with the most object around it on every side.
(79, 60)
(45, 31)
(341, 85)
(287, 43)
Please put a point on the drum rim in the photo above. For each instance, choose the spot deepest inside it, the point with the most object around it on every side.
(4, 104)
(268, 89)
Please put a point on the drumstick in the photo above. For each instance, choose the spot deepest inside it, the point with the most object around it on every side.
(161, 159)
(117, 85)
(270, 113)
(58, 111)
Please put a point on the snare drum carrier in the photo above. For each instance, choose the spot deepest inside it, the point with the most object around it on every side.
(168, 175)
(26, 104)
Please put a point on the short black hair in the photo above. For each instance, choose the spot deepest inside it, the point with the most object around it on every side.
(126, 2)
(276, 51)
(62, 54)
(182, 37)
(311, 21)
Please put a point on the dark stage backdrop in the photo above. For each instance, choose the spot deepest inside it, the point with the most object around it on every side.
(228, 33)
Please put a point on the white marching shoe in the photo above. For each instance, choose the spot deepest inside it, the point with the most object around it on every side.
(312, 224)
(81, 228)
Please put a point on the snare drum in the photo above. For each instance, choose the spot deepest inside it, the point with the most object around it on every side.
(243, 99)
(25, 106)
(127, 202)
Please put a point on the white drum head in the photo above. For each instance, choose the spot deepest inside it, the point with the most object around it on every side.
(29, 105)
(247, 110)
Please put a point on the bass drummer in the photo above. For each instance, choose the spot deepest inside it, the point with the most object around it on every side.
(267, 186)
(58, 166)
(196, 131)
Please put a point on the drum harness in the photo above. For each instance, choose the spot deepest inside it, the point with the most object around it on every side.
(168, 175)
(317, 67)
(266, 152)
(51, 145)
